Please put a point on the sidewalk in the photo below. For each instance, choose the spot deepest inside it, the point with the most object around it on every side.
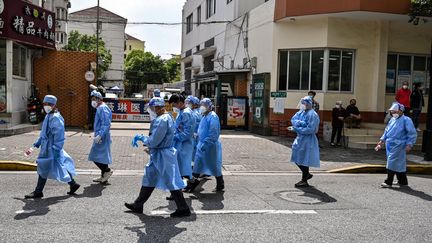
(242, 151)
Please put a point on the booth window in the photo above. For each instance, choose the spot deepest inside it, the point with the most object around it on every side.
(304, 69)
(19, 61)
(409, 68)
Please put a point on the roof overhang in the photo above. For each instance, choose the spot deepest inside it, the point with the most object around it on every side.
(206, 51)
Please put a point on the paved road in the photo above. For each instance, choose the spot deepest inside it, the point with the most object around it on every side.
(254, 208)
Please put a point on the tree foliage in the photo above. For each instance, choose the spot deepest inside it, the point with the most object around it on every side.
(144, 68)
(420, 9)
(80, 42)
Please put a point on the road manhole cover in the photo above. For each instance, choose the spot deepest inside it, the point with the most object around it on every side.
(301, 197)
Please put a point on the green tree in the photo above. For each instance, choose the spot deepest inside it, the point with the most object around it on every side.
(420, 9)
(144, 68)
(173, 68)
(79, 42)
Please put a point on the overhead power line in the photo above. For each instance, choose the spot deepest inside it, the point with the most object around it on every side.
(152, 23)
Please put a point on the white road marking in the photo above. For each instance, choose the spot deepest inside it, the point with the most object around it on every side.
(219, 212)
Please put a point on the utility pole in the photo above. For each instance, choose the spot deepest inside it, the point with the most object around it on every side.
(427, 135)
(97, 44)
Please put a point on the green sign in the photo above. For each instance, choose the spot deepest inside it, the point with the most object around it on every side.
(278, 94)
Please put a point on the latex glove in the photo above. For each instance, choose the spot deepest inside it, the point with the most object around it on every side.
(97, 139)
(137, 138)
(290, 128)
(195, 135)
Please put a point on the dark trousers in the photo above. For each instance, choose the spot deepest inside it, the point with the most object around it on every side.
(42, 181)
(401, 177)
(177, 195)
(415, 117)
(103, 167)
(337, 130)
(305, 172)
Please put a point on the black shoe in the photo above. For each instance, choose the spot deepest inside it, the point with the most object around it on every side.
(181, 213)
(73, 188)
(170, 198)
(193, 185)
(332, 144)
(309, 177)
(219, 189)
(134, 208)
(34, 195)
(301, 184)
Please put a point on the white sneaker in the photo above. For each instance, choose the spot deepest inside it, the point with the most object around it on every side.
(99, 179)
(385, 185)
(106, 176)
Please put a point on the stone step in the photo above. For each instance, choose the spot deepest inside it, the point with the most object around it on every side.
(19, 129)
(363, 131)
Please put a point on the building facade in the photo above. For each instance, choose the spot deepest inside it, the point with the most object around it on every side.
(342, 50)
(133, 43)
(25, 30)
(112, 32)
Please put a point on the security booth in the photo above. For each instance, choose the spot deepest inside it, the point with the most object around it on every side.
(228, 91)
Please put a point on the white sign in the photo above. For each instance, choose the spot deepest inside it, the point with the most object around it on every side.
(279, 107)
(89, 76)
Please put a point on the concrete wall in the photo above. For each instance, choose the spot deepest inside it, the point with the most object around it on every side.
(134, 45)
(114, 36)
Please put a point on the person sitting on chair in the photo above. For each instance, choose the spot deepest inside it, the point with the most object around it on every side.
(354, 118)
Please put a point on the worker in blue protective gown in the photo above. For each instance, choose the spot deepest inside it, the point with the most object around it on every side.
(162, 171)
(399, 138)
(100, 152)
(305, 149)
(184, 134)
(53, 162)
(194, 104)
(208, 158)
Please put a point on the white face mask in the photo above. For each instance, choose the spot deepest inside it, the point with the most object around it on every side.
(395, 115)
(338, 106)
(176, 110)
(190, 106)
(405, 87)
(94, 103)
(203, 109)
(302, 107)
(48, 109)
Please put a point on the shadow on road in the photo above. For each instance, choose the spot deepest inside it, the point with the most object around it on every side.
(408, 190)
(92, 191)
(37, 207)
(324, 197)
(158, 228)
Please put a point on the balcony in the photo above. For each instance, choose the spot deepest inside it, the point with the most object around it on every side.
(296, 8)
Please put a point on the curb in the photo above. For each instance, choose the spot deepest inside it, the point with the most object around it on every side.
(370, 169)
(17, 166)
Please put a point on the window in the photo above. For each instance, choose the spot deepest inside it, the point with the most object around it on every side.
(189, 23)
(19, 61)
(208, 63)
(61, 14)
(304, 70)
(199, 15)
(211, 8)
(410, 68)
(130, 48)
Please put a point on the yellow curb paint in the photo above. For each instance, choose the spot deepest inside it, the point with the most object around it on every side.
(17, 166)
(368, 168)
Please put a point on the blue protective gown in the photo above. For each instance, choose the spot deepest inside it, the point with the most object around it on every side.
(184, 141)
(101, 152)
(305, 149)
(198, 117)
(162, 171)
(208, 158)
(53, 162)
(398, 134)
